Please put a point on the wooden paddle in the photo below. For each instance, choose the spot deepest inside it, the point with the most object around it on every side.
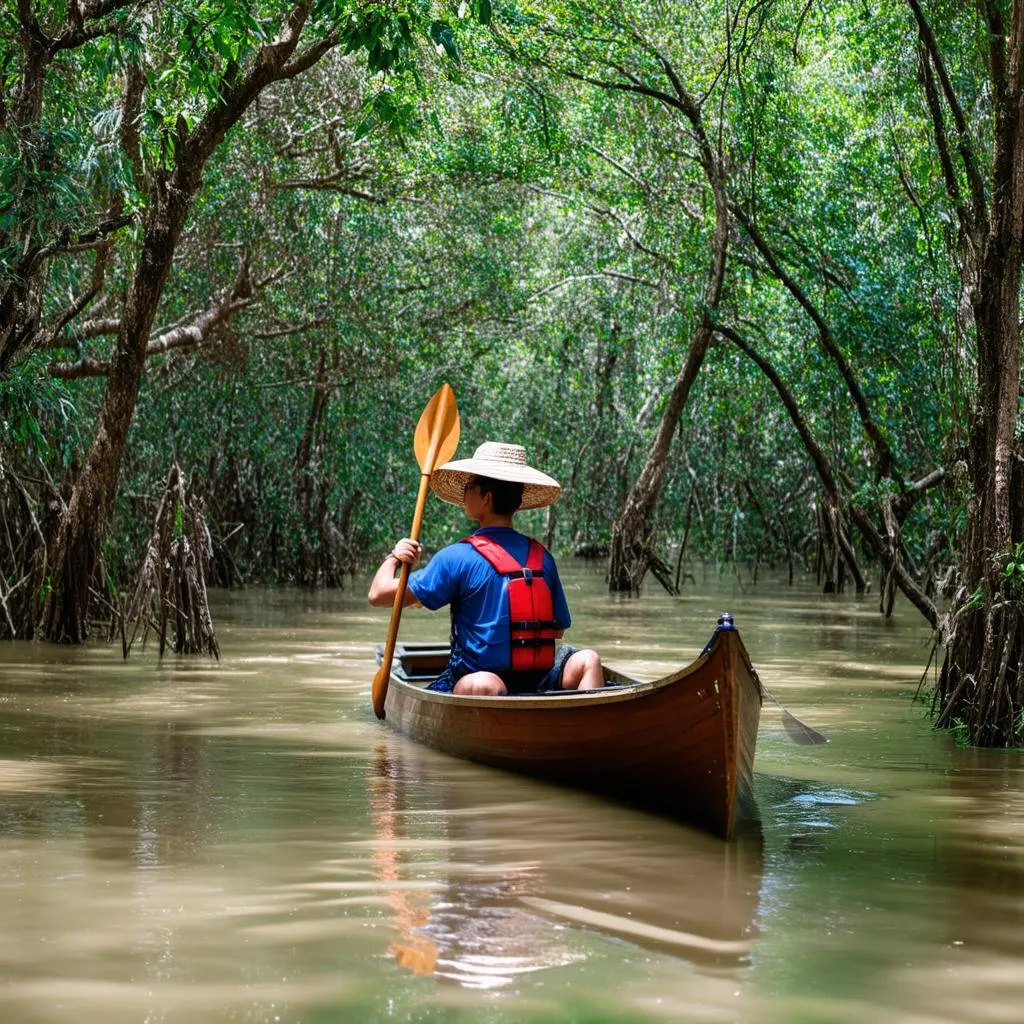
(799, 732)
(435, 441)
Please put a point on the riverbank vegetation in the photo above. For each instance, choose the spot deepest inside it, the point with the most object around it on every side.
(743, 276)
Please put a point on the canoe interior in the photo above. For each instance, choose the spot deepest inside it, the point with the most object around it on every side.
(421, 662)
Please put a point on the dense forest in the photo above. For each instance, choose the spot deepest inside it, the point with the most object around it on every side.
(743, 275)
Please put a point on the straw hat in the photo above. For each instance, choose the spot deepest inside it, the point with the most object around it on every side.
(499, 462)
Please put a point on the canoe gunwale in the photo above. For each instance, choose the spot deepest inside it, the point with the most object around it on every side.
(623, 688)
(574, 698)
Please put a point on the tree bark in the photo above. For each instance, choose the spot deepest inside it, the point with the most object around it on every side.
(981, 685)
(309, 482)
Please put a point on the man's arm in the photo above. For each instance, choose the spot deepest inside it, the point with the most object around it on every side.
(560, 607)
(384, 585)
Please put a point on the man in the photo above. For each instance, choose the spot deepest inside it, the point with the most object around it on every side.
(508, 606)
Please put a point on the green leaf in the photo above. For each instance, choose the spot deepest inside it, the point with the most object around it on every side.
(444, 38)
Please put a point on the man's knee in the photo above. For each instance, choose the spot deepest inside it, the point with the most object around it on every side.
(481, 684)
(585, 661)
(583, 667)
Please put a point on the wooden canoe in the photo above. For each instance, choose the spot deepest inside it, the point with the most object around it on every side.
(682, 745)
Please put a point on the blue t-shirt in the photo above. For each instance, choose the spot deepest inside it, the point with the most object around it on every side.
(460, 576)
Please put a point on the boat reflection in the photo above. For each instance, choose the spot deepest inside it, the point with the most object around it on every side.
(489, 875)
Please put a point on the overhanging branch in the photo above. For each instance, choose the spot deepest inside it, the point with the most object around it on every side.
(225, 307)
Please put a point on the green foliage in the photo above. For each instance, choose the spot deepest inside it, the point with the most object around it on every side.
(1013, 570)
(33, 405)
(961, 733)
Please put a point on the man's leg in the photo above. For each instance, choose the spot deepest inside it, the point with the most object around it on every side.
(583, 671)
(481, 684)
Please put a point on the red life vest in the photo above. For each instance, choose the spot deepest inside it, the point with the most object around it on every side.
(530, 608)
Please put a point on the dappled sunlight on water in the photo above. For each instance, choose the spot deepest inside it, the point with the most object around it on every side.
(191, 841)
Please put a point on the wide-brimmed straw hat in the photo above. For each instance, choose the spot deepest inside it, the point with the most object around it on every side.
(499, 462)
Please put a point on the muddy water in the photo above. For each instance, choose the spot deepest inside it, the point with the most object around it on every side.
(200, 842)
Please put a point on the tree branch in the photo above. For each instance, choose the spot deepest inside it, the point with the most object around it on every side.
(964, 143)
(307, 59)
(605, 212)
(917, 597)
(931, 96)
(66, 243)
(78, 304)
(91, 329)
(328, 183)
(223, 309)
(645, 185)
(572, 278)
(639, 89)
(821, 461)
(825, 473)
(886, 461)
(270, 65)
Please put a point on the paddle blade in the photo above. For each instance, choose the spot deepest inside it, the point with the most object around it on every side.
(802, 735)
(380, 687)
(437, 433)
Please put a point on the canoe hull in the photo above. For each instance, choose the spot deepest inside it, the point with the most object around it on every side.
(682, 745)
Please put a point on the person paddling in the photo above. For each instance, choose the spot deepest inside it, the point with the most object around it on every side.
(507, 604)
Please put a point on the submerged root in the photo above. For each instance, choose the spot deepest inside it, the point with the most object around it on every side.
(171, 592)
(981, 687)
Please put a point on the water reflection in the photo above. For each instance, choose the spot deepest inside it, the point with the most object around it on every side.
(984, 859)
(410, 909)
(977, 972)
(154, 813)
(523, 868)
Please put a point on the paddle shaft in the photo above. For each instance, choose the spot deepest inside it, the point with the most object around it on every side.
(403, 580)
(443, 436)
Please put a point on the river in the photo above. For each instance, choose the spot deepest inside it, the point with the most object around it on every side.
(191, 841)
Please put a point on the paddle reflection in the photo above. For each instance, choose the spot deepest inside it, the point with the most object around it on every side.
(489, 876)
(410, 909)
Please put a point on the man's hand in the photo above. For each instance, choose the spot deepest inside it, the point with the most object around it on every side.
(384, 585)
(408, 550)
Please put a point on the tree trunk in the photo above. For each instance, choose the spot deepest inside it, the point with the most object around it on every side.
(73, 555)
(74, 551)
(981, 685)
(633, 533)
(309, 483)
(632, 546)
